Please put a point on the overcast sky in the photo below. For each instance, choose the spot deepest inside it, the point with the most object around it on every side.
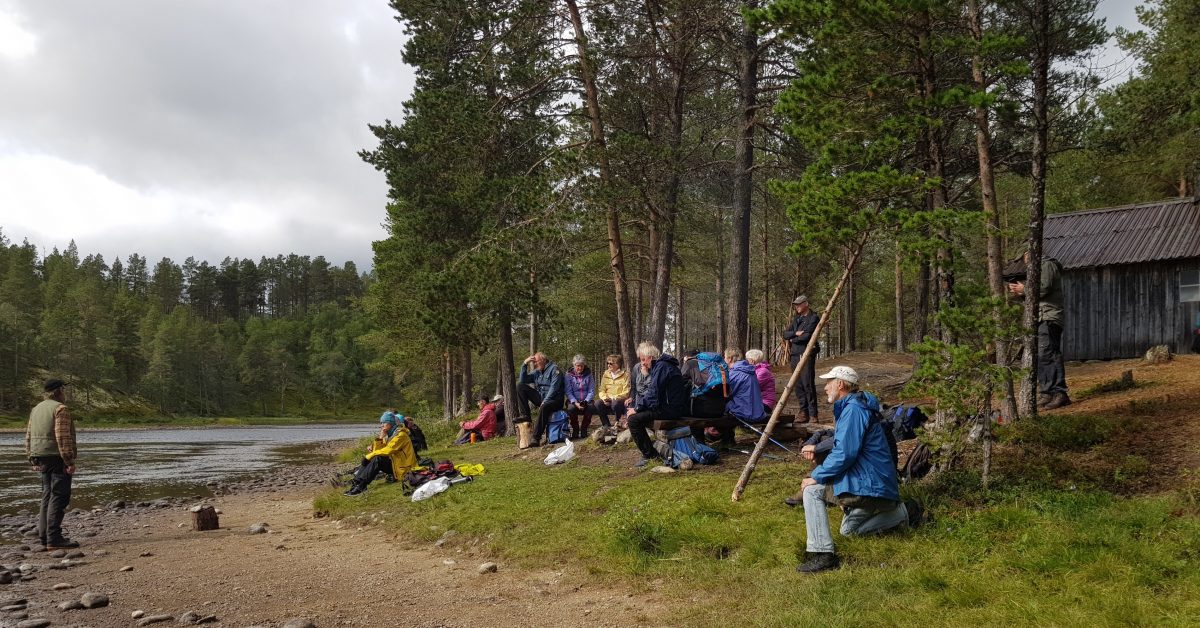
(207, 128)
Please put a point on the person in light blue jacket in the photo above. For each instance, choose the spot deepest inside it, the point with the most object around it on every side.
(858, 474)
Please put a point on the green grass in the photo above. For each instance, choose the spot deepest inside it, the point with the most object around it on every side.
(1016, 555)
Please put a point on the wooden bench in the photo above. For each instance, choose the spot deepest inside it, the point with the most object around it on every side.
(668, 424)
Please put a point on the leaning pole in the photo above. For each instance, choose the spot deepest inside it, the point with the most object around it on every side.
(787, 391)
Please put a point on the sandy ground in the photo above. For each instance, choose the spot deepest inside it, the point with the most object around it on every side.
(332, 573)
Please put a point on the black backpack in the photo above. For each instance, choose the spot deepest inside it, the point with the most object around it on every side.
(878, 420)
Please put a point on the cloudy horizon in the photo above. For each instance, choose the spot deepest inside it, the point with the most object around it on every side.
(183, 129)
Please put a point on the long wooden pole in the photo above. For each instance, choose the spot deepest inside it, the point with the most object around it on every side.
(787, 391)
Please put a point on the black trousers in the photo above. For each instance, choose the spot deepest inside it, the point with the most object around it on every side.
(56, 495)
(370, 469)
(604, 408)
(1052, 377)
(638, 424)
(806, 387)
(529, 396)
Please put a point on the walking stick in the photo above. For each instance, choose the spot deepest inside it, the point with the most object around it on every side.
(808, 355)
(761, 433)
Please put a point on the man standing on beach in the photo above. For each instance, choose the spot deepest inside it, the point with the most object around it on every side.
(50, 446)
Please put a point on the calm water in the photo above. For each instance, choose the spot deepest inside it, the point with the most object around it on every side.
(141, 465)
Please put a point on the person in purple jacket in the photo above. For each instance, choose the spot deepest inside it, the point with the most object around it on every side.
(581, 390)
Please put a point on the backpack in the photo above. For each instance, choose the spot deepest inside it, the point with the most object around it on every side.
(415, 435)
(714, 366)
(904, 421)
(556, 430)
(416, 478)
(684, 446)
(918, 465)
(878, 420)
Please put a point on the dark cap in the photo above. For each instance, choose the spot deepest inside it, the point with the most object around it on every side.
(800, 299)
(53, 385)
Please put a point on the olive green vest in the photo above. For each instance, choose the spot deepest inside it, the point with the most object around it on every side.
(41, 429)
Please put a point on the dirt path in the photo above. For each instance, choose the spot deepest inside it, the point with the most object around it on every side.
(333, 573)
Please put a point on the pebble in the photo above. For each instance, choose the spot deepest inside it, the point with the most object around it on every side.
(15, 606)
(37, 622)
(94, 600)
(488, 568)
(154, 619)
(62, 586)
(146, 554)
(127, 568)
(100, 553)
(70, 605)
(448, 562)
(189, 618)
(299, 622)
(76, 554)
(258, 528)
(137, 614)
(662, 469)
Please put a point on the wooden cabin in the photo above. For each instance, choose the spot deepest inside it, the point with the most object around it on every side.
(1131, 277)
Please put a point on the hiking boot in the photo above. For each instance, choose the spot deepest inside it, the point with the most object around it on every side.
(63, 543)
(642, 463)
(1059, 400)
(1043, 399)
(916, 512)
(819, 561)
(355, 490)
(795, 500)
(389, 478)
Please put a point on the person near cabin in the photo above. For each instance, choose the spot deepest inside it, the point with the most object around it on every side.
(540, 384)
(614, 392)
(392, 457)
(797, 335)
(766, 379)
(858, 475)
(581, 391)
(1052, 376)
(665, 397)
(745, 397)
(51, 449)
(480, 428)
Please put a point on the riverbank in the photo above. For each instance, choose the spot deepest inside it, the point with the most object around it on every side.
(350, 572)
(10, 424)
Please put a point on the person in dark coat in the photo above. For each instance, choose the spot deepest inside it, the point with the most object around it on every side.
(797, 335)
(542, 385)
(666, 397)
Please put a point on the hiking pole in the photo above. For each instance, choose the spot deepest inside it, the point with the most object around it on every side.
(808, 355)
(760, 433)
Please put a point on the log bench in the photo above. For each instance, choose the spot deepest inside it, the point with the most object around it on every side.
(785, 429)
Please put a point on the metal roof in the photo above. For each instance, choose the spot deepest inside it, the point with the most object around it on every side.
(1146, 232)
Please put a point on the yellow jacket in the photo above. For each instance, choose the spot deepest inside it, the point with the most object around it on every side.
(399, 449)
(614, 386)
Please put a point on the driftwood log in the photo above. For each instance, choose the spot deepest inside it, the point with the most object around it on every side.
(205, 518)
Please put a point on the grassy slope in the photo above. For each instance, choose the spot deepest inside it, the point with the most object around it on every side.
(1030, 553)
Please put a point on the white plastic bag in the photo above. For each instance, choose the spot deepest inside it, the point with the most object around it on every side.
(562, 454)
(430, 488)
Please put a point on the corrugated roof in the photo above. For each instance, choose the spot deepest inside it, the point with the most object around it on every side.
(1146, 232)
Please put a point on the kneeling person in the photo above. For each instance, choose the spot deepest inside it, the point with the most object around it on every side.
(392, 457)
(858, 475)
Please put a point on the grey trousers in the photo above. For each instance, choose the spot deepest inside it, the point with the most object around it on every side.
(56, 495)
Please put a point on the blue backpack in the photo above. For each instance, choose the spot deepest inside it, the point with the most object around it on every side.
(556, 430)
(714, 366)
(684, 445)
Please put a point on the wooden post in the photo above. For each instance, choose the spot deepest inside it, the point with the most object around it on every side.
(791, 385)
(205, 518)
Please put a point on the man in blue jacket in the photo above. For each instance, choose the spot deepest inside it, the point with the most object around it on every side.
(543, 387)
(666, 397)
(858, 474)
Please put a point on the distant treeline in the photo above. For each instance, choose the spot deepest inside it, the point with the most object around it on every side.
(276, 336)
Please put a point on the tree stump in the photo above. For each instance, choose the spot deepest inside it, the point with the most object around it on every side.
(205, 518)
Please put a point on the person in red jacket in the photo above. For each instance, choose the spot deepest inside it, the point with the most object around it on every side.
(483, 427)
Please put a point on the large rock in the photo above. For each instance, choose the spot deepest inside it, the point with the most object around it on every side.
(93, 600)
(488, 568)
(71, 605)
(1158, 355)
(624, 437)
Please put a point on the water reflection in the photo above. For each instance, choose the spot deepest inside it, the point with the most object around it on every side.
(141, 465)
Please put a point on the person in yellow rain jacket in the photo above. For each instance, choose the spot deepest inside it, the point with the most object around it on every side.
(393, 456)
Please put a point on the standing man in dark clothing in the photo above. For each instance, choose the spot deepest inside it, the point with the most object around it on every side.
(1052, 376)
(666, 397)
(804, 323)
(50, 446)
(543, 387)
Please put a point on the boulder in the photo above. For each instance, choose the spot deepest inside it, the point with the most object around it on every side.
(1158, 355)
(93, 600)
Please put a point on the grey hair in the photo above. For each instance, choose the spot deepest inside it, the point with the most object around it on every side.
(648, 350)
(579, 359)
(754, 356)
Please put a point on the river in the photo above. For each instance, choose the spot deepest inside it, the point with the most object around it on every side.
(141, 465)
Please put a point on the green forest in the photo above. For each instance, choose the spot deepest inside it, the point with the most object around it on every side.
(578, 177)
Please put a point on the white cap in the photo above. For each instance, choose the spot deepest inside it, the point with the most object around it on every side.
(844, 373)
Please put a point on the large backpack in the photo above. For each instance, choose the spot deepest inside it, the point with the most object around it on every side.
(684, 446)
(556, 429)
(878, 420)
(714, 367)
(415, 435)
(904, 420)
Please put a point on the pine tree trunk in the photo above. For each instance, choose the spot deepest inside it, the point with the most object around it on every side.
(1037, 203)
(921, 316)
(899, 300)
(680, 321)
(616, 251)
(995, 245)
(719, 286)
(738, 307)
(508, 379)
(467, 382)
